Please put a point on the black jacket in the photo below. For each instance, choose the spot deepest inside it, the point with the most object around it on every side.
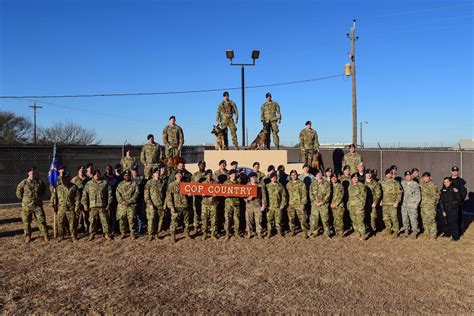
(450, 198)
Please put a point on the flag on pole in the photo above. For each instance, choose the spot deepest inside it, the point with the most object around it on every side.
(53, 174)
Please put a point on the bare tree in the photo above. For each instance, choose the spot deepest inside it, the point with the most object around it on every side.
(67, 133)
(14, 129)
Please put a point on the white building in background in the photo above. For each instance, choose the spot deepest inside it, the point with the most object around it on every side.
(464, 144)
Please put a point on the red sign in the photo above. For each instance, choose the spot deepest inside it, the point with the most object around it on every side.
(216, 189)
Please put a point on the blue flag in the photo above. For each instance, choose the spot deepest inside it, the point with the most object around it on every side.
(53, 174)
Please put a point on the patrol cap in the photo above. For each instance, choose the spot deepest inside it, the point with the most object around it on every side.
(367, 171)
(179, 172)
(135, 168)
(222, 161)
(33, 168)
(306, 165)
(234, 163)
(454, 168)
(172, 117)
(352, 145)
(407, 173)
(393, 167)
(255, 164)
(96, 171)
(268, 94)
(252, 174)
(319, 171)
(414, 169)
(226, 94)
(389, 170)
(127, 172)
(232, 171)
(426, 174)
(328, 170)
(208, 171)
(150, 136)
(62, 167)
(307, 123)
(281, 167)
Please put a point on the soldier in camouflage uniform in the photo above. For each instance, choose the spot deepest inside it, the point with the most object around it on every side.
(68, 202)
(225, 117)
(356, 205)
(351, 159)
(270, 116)
(274, 200)
(254, 209)
(429, 199)
(127, 199)
(128, 161)
(179, 206)
(256, 169)
(31, 192)
(374, 193)
(208, 209)
(337, 206)
(308, 143)
(232, 209)
(96, 199)
(150, 156)
(411, 200)
(155, 194)
(173, 138)
(391, 197)
(80, 181)
(297, 200)
(198, 176)
(319, 193)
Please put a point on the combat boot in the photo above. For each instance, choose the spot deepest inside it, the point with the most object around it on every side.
(413, 235)
(394, 235)
(227, 236)
(46, 238)
(91, 237)
(151, 237)
(188, 235)
(59, 239)
(236, 147)
(204, 236)
(27, 239)
(248, 235)
(305, 234)
(74, 238)
(405, 234)
(292, 233)
(269, 235)
(107, 237)
(173, 238)
(388, 232)
(213, 236)
(133, 236)
(259, 235)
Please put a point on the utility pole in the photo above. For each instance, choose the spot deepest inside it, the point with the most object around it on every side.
(35, 107)
(353, 38)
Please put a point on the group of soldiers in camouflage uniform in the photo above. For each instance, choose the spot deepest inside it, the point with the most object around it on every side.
(321, 202)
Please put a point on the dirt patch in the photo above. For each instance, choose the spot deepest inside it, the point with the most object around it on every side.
(290, 275)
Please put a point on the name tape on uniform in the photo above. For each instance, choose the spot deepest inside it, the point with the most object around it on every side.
(216, 189)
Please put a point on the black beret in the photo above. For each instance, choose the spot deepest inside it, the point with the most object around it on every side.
(208, 171)
(306, 165)
(135, 168)
(89, 164)
(408, 173)
(150, 136)
(234, 163)
(172, 117)
(232, 171)
(155, 170)
(222, 161)
(273, 174)
(308, 123)
(226, 94)
(201, 162)
(426, 174)
(252, 174)
(255, 163)
(328, 170)
(127, 172)
(268, 94)
(389, 170)
(346, 167)
(354, 175)
(80, 167)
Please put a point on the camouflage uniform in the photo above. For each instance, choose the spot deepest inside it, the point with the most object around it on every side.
(68, 201)
(127, 192)
(97, 197)
(391, 194)
(198, 176)
(173, 137)
(351, 160)
(356, 205)
(253, 212)
(150, 158)
(224, 115)
(270, 116)
(319, 192)
(155, 194)
(308, 144)
(429, 199)
(297, 198)
(411, 199)
(180, 204)
(83, 215)
(338, 210)
(275, 200)
(232, 210)
(260, 176)
(187, 176)
(374, 193)
(209, 212)
(128, 162)
(220, 176)
(31, 193)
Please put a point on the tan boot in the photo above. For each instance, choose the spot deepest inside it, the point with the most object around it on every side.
(91, 237)
(173, 238)
(292, 233)
(27, 239)
(107, 237)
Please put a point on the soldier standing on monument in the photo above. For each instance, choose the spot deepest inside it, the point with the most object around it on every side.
(271, 117)
(225, 117)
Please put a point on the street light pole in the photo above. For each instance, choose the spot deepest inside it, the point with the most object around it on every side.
(230, 55)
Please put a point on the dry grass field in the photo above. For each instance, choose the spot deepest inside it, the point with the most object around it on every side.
(291, 275)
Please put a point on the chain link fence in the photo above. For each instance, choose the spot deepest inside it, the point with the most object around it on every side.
(15, 160)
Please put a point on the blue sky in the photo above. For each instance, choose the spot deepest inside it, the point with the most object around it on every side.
(414, 65)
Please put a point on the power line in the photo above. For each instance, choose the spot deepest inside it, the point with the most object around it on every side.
(166, 92)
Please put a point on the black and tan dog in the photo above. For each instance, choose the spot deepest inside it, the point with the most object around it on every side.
(220, 137)
(260, 142)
